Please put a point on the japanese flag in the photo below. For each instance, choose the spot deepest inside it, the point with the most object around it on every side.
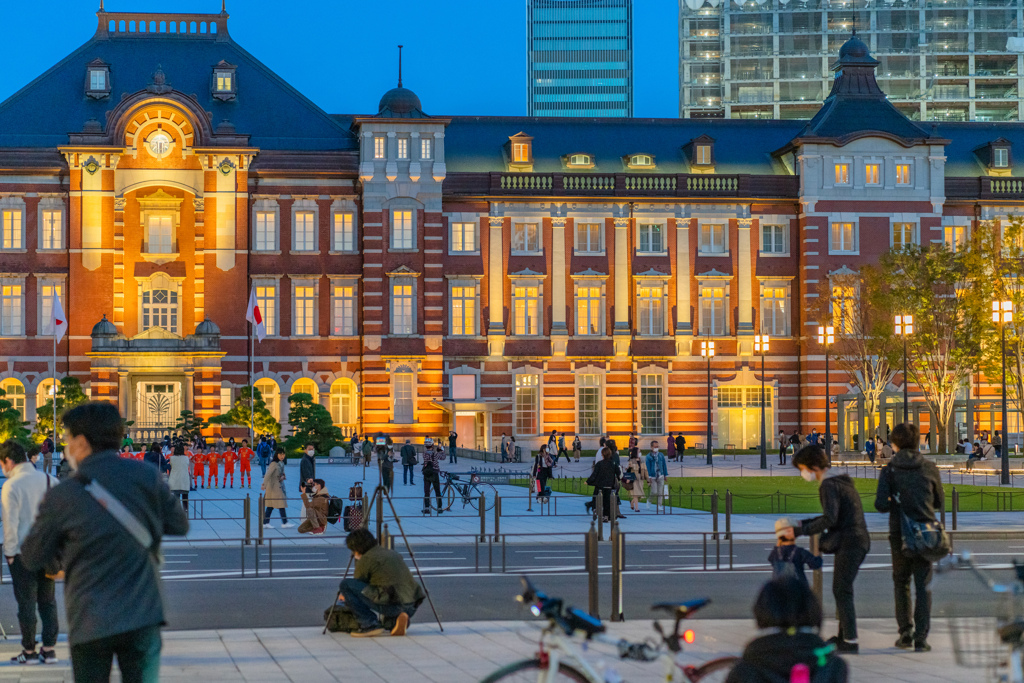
(60, 321)
(254, 315)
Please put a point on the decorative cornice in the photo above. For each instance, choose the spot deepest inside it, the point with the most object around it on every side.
(558, 222)
(403, 271)
(496, 221)
(714, 274)
(526, 272)
(621, 223)
(651, 273)
(589, 273)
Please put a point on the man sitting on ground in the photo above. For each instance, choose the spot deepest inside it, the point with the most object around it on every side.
(383, 589)
(315, 499)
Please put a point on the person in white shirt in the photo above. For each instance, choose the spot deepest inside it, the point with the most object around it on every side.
(20, 498)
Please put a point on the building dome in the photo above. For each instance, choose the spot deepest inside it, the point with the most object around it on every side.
(207, 328)
(104, 328)
(855, 51)
(400, 103)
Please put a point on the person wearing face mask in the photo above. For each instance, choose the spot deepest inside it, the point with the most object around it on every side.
(307, 472)
(315, 499)
(844, 533)
(657, 473)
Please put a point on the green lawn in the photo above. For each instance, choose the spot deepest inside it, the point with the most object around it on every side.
(784, 495)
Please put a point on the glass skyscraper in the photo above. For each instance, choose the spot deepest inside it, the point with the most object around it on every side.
(580, 57)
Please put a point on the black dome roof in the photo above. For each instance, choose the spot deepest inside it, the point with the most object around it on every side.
(855, 51)
(400, 103)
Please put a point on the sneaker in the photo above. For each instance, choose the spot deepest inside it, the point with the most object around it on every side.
(25, 658)
(905, 641)
(847, 648)
(922, 646)
(401, 624)
(367, 631)
(268, 526)
(318, 531)
(48, 656)
(287, 525)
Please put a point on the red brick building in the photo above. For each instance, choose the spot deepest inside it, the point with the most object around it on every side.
(502, 274)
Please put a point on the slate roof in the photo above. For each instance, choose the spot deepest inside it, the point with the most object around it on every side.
(269, 110)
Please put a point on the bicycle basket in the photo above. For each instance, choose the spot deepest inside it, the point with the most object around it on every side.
(976, 642)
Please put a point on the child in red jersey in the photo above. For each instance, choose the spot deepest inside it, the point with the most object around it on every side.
(245, 456)
(229, 467)
(199, 465)
(212, 464)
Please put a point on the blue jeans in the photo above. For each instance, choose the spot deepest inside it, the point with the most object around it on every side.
(263, 466)
(451, 454)
(366, 610)
(408, 474)
(138, 657)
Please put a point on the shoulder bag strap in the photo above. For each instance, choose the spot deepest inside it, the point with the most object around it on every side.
(119, 512)
(893, 493)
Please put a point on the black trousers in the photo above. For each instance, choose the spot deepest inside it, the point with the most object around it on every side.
(138, 657)
(428, 481)
(847, 565)
(32, 590)
(903, 570)
(782, 455)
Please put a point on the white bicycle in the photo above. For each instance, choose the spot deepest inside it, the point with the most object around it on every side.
(560, 659)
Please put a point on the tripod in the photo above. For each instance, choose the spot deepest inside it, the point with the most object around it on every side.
(380, 494)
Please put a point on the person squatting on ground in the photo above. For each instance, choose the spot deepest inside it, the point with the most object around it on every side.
(105, 524)
(273, 491)
(383, 592)
(315, 499)
(844, 533)
(21, 496)
(915, 481)
(789, 617)
(787, 558)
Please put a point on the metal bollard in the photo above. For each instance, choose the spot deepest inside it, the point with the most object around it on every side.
(714, 513)
(816, 578)
(942, 511)
(599, 509)
(529, 500)
(261, 512)
(728, 514)
(616, 575)
(590, 551)
(380, 513)
(956, 506)
(247, 513)
(483, 519)
(497, 516)
(365, 523)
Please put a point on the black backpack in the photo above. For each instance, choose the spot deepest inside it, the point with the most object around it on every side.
(335, 508)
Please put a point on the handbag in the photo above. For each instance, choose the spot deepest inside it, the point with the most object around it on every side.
(628, 481)
(927, 540)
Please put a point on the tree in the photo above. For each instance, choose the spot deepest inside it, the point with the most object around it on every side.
(263, 421)
(863, 333)
(12, 425)
(189, 425)
(310, 423)
(69, 395)
(948, 293)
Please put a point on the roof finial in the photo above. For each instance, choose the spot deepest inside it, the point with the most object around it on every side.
(400, 66)
(223, 5)
(101, 6)
(854, 23)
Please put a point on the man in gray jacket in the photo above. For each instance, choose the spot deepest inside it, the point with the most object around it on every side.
(109, 550)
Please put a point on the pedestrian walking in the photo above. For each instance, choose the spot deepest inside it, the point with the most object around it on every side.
(179, 480)
(387, 468)
(20, 498)
(431, 473)
(844, 533)
(680, 446)
(783, 442)
(106, 525)
(577, 448)
(263, 454)
(910, 484)
(787, 558)
(453, 440)
(657, 473)
(274, 497)
(46, 449)
(367, 450)
(408, 463)
(997, 443)
(605, 480)
(542, 467)
(562, 452)
(670, 447)
(633, 481)
(504, 447)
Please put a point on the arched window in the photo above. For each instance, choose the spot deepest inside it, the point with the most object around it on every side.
(15, 393)
(306, 386)
(343, 402)
(44, 392)
(271, 396)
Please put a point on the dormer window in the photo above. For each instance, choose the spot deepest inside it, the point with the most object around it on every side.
(1000, 157)
(641, 161)
(224, 84)
(97, 79)
(701, 153)
(702, 157)
(996, 156)
(520, 152)
(580, 161)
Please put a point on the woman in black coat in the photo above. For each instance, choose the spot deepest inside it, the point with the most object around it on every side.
(605, 480)
(844, 533)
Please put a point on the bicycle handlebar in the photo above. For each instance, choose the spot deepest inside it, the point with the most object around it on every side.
(965, 560)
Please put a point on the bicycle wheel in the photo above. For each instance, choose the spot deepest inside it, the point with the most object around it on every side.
(715, 671)
(447, 499)
(489, 493)
(530, 671)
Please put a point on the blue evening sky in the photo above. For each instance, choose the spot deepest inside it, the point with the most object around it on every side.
(461, 56)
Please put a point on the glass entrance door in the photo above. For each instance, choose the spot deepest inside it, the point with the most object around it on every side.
(739, 417)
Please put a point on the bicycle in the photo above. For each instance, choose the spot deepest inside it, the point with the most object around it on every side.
(989, 642)
(468, 492)
(559, 659)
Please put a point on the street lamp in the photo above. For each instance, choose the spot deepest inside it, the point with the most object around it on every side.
(827, 337)
(707, 349)
(761, 347)
(1002, 313)
(904, 328)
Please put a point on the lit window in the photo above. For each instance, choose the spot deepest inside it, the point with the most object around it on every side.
(304, 319)
(160, 309)
(12, 228)
(843, 237)
(266, 299)
(589, 311)
(161, 235)
(225, 81)
(589, 404)
(774, 311)
(14, 391)
(588, 237)
(526, 237)
(641, 160)
(12, 310)
(526, 311)
(405, 408)
(344, 232)
(464, 310)
(527, 403)
(266, 231)
(652, 238)
(902, 174)
(402, 309)
(225, 399)
(844, 302)
(403, 148)
(47, 290)
(402, 230)
(712, 238)
(270, 394)
(51, 232)
(344, 311)
(954, 237)
(651, 307)
(304, 232)
(712, 311)
(903, 235)
(1001, 157)
(703, 155)
(871, 174)
(379, 143)
(426, 148)
(464, 237)
(343, 402)
(579, 160)
(521, 152)
(842, 174)
(773, 239)
(652, 401)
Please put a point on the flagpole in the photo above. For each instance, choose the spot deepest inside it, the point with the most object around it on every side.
(252, 387)
(54, 391)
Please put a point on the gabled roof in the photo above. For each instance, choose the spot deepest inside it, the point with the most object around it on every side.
(266, 108)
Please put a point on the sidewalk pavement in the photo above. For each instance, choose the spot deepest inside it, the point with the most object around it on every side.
(467, 651)
(222, 509)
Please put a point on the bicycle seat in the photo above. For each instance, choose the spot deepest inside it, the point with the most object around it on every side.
(1012, 633)
(578, 620)
(681, 610)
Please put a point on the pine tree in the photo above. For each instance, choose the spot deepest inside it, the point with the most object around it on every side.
(310, 423)
(189, 426)
(69, 395)
(12, 426)
(263, 422)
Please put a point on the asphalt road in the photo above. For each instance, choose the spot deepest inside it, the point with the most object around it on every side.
(204, 587)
